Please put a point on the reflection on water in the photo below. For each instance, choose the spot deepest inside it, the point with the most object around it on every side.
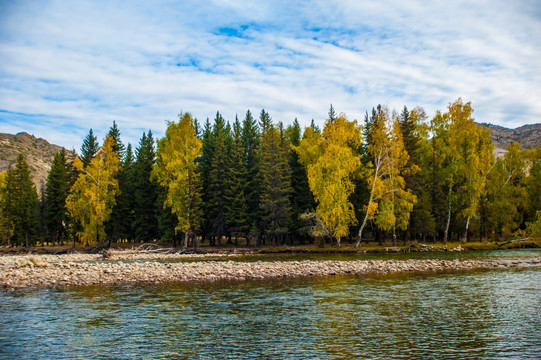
(481, 314)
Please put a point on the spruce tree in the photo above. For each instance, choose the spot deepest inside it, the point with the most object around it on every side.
(275, 178)
(22, 207)
(302, 199)
(122, 217)
(89, 148)
(415, 140)
(236, 207)
(57, 186)
(204, 165)
(250, 143)
(145, 190)
(118, 146)
(217, 178)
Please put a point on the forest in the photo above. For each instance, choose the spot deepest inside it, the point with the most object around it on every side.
(396, 176)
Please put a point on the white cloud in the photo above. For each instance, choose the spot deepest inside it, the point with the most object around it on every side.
(70, 66)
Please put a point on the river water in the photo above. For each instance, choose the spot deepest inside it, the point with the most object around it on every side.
(453, 315)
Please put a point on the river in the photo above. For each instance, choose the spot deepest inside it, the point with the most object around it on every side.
(453, 315)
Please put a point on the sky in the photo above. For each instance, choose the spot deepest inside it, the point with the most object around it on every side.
(68, 66)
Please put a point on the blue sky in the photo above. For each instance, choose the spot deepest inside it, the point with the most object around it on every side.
(68, 66)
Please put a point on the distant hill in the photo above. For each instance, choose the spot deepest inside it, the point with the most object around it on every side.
(528, 136)
(39, 154)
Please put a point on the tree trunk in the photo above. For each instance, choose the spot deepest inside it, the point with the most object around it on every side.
(185, 241)
(338, 244)
(465, 238)
(448, 221)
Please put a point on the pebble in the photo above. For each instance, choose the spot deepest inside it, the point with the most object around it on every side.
(21, 271)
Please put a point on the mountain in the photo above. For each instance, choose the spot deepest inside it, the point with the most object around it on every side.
(39, 154)
(528, 136)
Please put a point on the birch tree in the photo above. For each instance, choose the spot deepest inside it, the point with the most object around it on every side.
(176, 171)
(331, 161)
(93, 195)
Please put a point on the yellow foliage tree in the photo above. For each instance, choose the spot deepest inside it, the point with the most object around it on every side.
(390, 204)
(330, 162)
(93, 194)
(175, 170)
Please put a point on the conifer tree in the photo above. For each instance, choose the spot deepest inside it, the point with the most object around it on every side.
(204, 165)
(6, 226)
(22, 205)
(122, 216)
(89, 148)
(302, 199)
(176, 171)
(236, 206)
(416, 175)
(59, 181)
(250, 143)
(145, 191)
(118, 146)
(217, 179)
(275, 180)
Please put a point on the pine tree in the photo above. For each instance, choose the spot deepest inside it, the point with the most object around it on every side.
(416, 176)
(89, 148)
(176, 171)
(204, 165)
(118, 146)
(6, 226)
(122, 216)
(250, 143)
(217, 179)
(59, 181)
(302, 199)
(275, 178)
(145, 191)
(22, 205)
(236, 206)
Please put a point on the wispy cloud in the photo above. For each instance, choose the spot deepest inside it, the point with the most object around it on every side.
(70, 66)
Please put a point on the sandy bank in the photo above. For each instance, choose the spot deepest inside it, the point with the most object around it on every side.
(31, 271)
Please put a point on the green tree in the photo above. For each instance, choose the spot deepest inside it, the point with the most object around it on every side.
(504, 200)
(6, 226)
(89, 148)
(301, 200)
(121, 224)
(176, 171)
(275, 180)
(217, 182)
(118, 146)
(94, 193)
(250, 143)
(59, 181)
(22, 205)
(235, 193)
(145, 191)
(416, 175)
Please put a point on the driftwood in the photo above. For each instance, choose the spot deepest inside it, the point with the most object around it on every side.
(512, 241)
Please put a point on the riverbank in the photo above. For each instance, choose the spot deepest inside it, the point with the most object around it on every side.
(32, 271)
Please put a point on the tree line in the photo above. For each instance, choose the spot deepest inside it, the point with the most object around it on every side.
(397, 176)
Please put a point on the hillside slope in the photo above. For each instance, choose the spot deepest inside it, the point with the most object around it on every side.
(528, 136)
(39, 154)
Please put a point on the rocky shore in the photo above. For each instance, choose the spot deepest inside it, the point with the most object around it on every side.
(33, 271)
